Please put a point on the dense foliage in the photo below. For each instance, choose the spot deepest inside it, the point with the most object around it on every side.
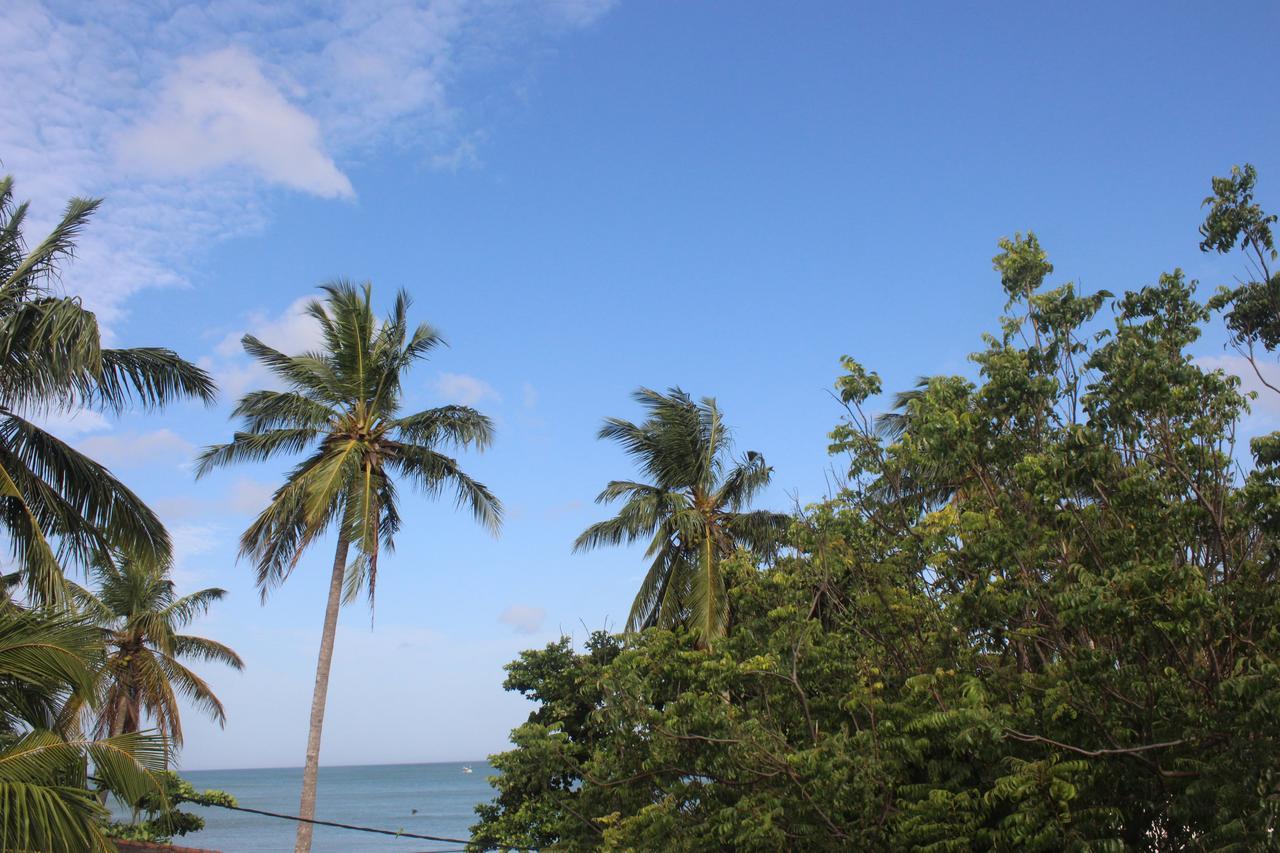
(157, 817)
(47, 801)
(60, 512)
(1042, 614)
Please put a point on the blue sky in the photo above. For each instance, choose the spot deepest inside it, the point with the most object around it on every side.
(584, 196)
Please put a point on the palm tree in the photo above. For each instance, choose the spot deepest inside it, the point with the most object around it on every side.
(45, 799)
(140, 615)
(342, 405)
(692, 512)
(57, 505)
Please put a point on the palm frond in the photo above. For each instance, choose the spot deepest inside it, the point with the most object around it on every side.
(648, 603)
(265, 411)
(457, 426)
(57, 818)
(254, 447)
(77, 497)
(210, 651)
(432, 472)
(194, 688)
(309, 373)
(183, 610)
(41, 263)
(150, 376)
(743, 482)
(708, 595)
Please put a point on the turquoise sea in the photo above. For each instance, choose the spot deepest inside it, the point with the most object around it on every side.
(383, 796)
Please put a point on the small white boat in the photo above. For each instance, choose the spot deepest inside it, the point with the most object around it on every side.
(466, 768)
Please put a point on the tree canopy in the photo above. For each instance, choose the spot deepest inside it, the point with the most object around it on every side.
(1042, 613)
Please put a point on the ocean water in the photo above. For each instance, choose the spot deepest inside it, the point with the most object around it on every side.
(382, 796)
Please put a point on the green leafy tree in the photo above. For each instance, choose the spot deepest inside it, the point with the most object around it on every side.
(58, 506)
(1252, 307)
(343, 406)
(161, 820)
(46, 802)
(1042, 614)
(692, 511)
(141, 616)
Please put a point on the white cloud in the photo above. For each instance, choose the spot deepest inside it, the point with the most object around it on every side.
(291, 332)
(580, 13)
(126, 450)
(218, 110)
(523, 618)
(464, 389)
(189, 542)
(250, 497)
(244, 497)
(194, 540)
(183, 115)
(529, 395)
(73, 423)
(1267, 403)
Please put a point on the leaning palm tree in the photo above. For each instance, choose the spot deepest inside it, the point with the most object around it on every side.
(46, 802)
(57, 505)
(342, 406)
(141, 616)
(692, 511)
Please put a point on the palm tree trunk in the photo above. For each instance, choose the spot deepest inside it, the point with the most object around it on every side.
(311, 769)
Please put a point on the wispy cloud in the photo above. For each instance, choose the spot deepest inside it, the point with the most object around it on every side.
(250, 497)
(75, 422)
(132, 450)
(190, 542)
(464, 389)
(291, 331)
(185, 116)
(523, 618)
(243, 497)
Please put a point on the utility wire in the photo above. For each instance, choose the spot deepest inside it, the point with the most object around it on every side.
(398, 834)
(351, 826)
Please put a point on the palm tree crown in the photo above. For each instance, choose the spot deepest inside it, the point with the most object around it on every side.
(343, 405)
(57, 505)
(693, 510)
(140, 615)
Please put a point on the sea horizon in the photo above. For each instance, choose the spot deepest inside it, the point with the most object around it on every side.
(183, 770)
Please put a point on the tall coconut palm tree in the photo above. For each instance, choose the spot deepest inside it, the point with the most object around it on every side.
(692, 511)
(57, 505)
(140, 615)
(342, 406)
(45, 799)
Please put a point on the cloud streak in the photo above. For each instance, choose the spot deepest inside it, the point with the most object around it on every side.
(132, 450)
(523, 618)
(464, 389)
